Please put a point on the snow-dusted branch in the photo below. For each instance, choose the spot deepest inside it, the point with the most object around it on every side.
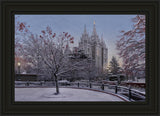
(131, 47)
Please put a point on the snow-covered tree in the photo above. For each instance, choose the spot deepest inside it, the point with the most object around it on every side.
(21, 32)
(90, 70)
(49, 54)
(54, 54)
(114, 66)
(31, 48)
(131, 47)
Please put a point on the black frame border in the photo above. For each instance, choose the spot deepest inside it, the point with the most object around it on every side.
(9, 8)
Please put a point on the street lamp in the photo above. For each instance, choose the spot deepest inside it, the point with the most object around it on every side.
(19, 64)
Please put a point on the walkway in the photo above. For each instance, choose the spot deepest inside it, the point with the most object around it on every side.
(66, 94)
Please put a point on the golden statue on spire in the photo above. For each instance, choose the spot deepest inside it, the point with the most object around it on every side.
(94, 23)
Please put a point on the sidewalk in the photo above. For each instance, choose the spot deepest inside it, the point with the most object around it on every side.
(66, 94)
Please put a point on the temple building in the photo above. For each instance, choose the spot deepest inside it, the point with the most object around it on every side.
(94, 48)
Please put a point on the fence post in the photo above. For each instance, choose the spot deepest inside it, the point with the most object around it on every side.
(78, 85)
(129, 93)
(90, 85)
(27, 84)
(102, 86)
(41, 83)
(116, 89)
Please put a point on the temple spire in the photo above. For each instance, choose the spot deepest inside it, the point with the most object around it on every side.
(94, 29)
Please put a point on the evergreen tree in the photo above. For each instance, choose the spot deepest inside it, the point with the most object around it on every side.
(114, 66)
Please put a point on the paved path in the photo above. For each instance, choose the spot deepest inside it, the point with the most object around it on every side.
(66, 94)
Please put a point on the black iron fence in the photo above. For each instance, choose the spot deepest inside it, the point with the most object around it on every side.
(127, 92)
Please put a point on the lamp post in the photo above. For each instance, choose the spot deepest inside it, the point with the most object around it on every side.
(19, 64)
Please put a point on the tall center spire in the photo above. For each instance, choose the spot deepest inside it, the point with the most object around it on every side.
(94, 29)
(94, 23)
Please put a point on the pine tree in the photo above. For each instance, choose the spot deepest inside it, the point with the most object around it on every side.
(114, 66)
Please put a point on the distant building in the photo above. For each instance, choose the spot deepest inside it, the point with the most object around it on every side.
(95, 48)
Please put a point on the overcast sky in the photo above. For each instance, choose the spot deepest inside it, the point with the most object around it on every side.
(107, 25)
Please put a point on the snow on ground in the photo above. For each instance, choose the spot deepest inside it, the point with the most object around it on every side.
(66, 94)
(142, 80)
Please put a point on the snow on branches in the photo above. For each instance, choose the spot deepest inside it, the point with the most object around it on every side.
(48, 53)
(131, 47)
(21, 32)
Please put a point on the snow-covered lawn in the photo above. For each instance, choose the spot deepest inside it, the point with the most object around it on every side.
(66, 94)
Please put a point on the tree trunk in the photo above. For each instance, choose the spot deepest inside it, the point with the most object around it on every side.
(56, 82)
